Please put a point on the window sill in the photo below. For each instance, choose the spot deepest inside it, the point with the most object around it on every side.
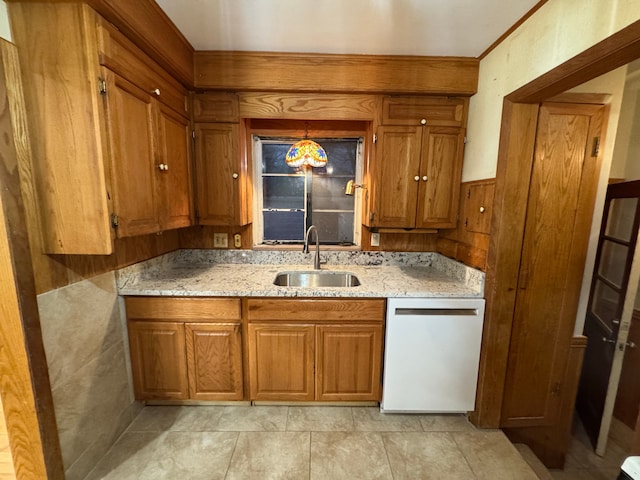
(312, 246)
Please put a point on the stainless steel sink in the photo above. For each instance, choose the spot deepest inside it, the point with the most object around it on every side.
(316, 278)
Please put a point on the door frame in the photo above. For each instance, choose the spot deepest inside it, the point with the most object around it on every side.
(515, 155)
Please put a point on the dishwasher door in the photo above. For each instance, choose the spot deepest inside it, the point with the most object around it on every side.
(432, 353)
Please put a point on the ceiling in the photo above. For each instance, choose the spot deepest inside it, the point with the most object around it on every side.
(386, 27)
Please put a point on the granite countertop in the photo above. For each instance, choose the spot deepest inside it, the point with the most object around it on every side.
(240, 273)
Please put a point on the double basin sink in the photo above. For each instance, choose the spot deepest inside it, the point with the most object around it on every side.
(316, 278)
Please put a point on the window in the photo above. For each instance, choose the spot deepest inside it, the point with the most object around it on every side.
(290, 200)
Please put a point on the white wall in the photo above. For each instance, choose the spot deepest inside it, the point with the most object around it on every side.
(558, 31)
(5, 31)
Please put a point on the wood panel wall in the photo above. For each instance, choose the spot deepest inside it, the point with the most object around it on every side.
(469, 241)
(312, 72)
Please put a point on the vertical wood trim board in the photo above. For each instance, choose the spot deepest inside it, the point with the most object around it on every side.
(24, 377)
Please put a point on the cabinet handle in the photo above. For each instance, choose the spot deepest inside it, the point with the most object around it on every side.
(425, 178)
(156, 92)
(416, 178)
(481, 209)
(423, 121)
(235, 175)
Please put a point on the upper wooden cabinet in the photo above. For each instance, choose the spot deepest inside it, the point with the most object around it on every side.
(417, 164)
(220, 160)
(110, 135)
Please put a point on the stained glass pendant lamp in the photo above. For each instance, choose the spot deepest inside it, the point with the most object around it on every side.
(306, 152)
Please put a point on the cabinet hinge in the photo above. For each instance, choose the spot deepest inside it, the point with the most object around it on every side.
(375, 138)
(465, 140)
(595, 149)
(102, 86)
(193, 134)
(469, 193)
(371, 215)
(115, 221)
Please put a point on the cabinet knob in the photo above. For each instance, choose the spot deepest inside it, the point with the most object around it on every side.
(481, 209)
(423, 121)
(163, 166)
(235, 175)
(417, 178)
(425, 178)
(166, 167)
(156, 92)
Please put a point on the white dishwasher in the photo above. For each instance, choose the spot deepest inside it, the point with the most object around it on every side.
(432, 353)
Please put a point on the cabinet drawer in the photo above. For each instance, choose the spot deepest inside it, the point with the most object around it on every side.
(121, 56)
(187, 309)
(445, 111)
(216, 107)
(317, 310)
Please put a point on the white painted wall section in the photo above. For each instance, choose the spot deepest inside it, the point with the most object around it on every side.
(5, 29)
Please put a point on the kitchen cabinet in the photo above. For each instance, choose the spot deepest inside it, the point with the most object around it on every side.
(185, 348)
(120, 140)
(418, 163)
(221, 163)
(321, 349)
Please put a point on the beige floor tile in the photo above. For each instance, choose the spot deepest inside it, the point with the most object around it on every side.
(369, 419)
(270, 455)
(446, 423)
(320, 419)
(348, 456)
(534, 462)
(253, 419)
(575, 474)
(192, 456)
(581, 455)
(425, 456)
(172, 418)
(492, 457)
(128, 457)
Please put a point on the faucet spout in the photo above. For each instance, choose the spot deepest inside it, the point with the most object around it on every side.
(305, 249)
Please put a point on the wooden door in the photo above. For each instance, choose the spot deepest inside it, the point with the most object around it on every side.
(348, 362)
(605, 312)
(281, 362)
(218, 173)
(130, 124)
(158, 360)
(397, 166)
(440, 175)
(174, 179)
(214, 360)
(559, 211)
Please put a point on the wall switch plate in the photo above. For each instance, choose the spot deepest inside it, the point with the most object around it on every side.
(375, 239)
(220, 240)
(237, 240)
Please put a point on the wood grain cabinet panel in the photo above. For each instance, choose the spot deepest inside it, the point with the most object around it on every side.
(158, 360)
(348, 362)
(214, 358)
(281, 359)
(440, 111)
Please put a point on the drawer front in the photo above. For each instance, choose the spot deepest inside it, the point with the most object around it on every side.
(121, 56)
(316, 310)
(216, 107)
(187, 309)
(445, 111)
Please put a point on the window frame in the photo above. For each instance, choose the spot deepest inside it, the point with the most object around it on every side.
(258, 225)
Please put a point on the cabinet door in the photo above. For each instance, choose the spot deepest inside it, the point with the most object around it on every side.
(348, 362)
(158, 360)
(130, 123)
(397, 165)
(174, 183)
(218, 173)
(214, 358)
(440, 172)
(281, 361)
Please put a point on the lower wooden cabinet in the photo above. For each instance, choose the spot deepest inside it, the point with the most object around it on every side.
(323, 350)
(185, 348)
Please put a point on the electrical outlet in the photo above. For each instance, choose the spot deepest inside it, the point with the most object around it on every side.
(237, 240)
(375, 239)
(220, 240)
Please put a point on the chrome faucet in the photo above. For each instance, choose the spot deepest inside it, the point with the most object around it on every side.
(305, 249)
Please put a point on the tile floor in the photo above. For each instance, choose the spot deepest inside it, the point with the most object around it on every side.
(328, 443)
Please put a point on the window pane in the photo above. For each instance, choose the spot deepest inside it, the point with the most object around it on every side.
(284, 226)
(605, 303)
(283, 192)
(612, 261)
(327, 193)
(273, 155)
(621, 214)
(334, 227)
(341, 157)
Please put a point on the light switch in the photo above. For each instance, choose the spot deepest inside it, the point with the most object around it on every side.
(375, 239)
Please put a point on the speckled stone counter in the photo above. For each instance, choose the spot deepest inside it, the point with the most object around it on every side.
(248, 273)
